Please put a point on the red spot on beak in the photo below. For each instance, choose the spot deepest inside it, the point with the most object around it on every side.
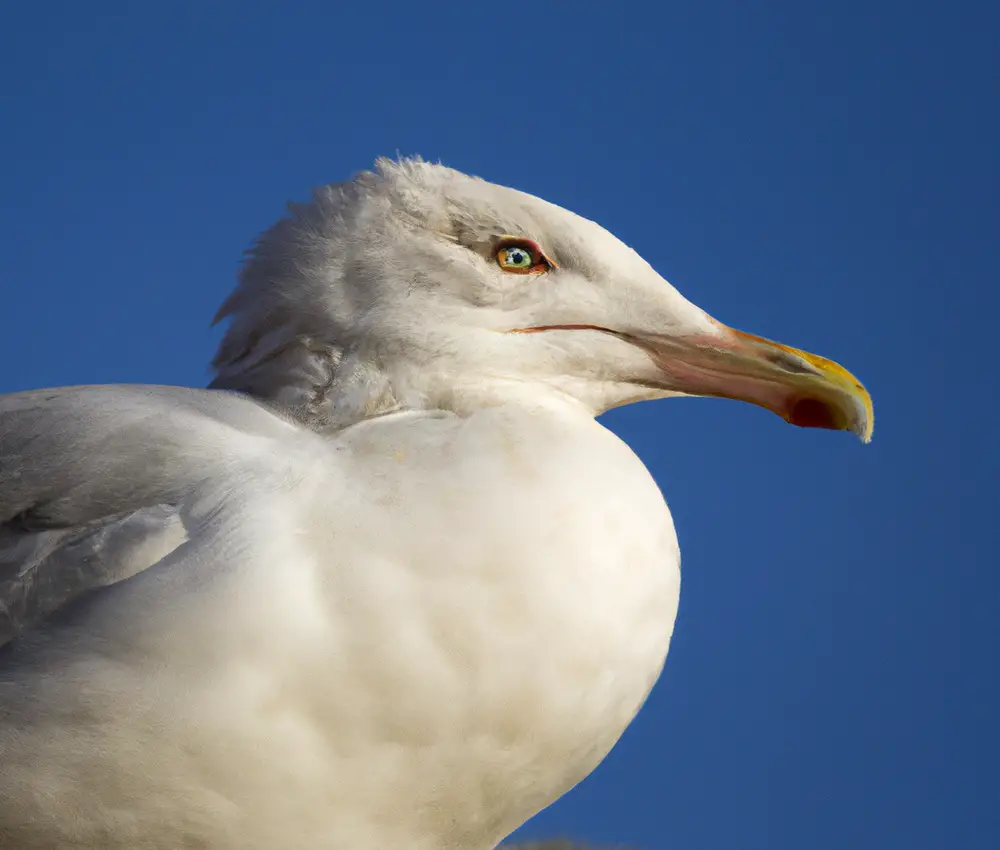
(812, 413)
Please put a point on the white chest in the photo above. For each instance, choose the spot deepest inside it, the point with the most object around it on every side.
(516, 587)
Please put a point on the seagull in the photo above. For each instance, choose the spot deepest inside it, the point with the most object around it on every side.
(386, 583)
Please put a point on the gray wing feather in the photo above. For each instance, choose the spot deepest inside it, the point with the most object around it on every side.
(89, 482)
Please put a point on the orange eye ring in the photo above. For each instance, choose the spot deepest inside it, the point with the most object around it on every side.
(521, 256)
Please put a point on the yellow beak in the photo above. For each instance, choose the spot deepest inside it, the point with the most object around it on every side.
(804, 389)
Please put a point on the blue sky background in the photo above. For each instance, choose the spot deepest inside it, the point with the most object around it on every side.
(820, 173)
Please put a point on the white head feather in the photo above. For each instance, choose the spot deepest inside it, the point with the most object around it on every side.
(385, 293)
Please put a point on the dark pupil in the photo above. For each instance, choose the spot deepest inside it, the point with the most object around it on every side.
(518, 257)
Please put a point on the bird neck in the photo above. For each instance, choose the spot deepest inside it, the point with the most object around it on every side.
(317, 384)
(327, 389)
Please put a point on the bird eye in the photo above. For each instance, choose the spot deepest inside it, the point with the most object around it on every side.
(522, 257)
(516, 257)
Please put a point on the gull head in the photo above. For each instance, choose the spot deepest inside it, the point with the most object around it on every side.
(415, 286)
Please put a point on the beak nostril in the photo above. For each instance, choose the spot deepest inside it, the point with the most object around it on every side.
(791, 362)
